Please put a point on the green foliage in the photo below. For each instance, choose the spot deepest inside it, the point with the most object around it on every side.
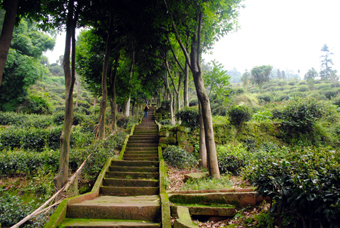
(262, 115)
(217, 79)
(58, 118)
(208, 183)
(189, 117)
(239, 114)
(178, 157)
(24, 162)
(31, 138)
(38, 103)
(165, 122)
(260, 75)
(264, 98)
(303, 181)
(193, 102)
(13, 209)
(230, 158)
(300, 115)
(23, 67)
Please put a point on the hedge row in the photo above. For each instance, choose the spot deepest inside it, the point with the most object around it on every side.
(31, 138)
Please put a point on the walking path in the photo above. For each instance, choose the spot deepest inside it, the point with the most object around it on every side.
(129, 195)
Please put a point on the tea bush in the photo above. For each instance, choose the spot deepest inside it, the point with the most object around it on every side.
(262, 115)
(58, 118)
(300, 115)
(31, 138)
(25, 120)
(239, 114)
(165, 122)
(193, 102)
(189, 117)
(264, 98)
(178, 157)
(231, 158)
(303, 181)
(12, 210)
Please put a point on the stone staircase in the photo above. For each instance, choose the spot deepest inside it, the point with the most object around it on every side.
(129, 195)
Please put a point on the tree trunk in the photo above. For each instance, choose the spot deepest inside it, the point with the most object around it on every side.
(104, 82)
(62, 176)
(127, 108)
(186, 85)
(203, 147)
(133, 108)
(113, 78)
(179, 92)
(94, 104)
(131, 74)
(203, 98)
(11, 7)
(78, 88)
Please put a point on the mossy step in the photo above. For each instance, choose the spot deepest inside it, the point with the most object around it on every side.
(133, 175)
(130, 182)
(146, 133)
(141, 153)
(128, 191)
(136, 144)
(146, 149)
(134, 163)
(146, 208)
(227, 211)
(95, 223)
(148, 140)
(133, 168)
(141, 158)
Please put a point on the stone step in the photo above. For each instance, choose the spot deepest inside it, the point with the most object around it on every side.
(132, 175)
(140, 155)
(96, 223)
(227, 211)
(134, 158)
(136, 144)
(128, 191)
(146, 208)
(134, 163)
(144, 140)
(141, 149)
(130, 182)
(133, 169)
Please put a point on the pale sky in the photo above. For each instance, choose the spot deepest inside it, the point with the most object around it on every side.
(287, 34)
(282, 33)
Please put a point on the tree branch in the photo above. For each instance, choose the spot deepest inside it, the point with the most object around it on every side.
(173, 53)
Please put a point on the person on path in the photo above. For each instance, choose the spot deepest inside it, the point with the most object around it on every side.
(146, 109)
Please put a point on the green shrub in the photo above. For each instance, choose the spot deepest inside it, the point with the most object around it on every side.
(303, 88)
(58, 118)
(302, 181)
(189, 117)
(284, 97)
(13, 209)
(264, 98)
(297, 94)
(165, 122)
(330, 94)
(262, 115)
(291, 83)
(178, 157)
(25, 120)
(84, 94)
(193, 102)
(239, 91)
(299, 115)
(31, 138)
(231, 158)
(239, 114)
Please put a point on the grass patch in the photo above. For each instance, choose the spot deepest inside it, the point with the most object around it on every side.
(207, 183)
